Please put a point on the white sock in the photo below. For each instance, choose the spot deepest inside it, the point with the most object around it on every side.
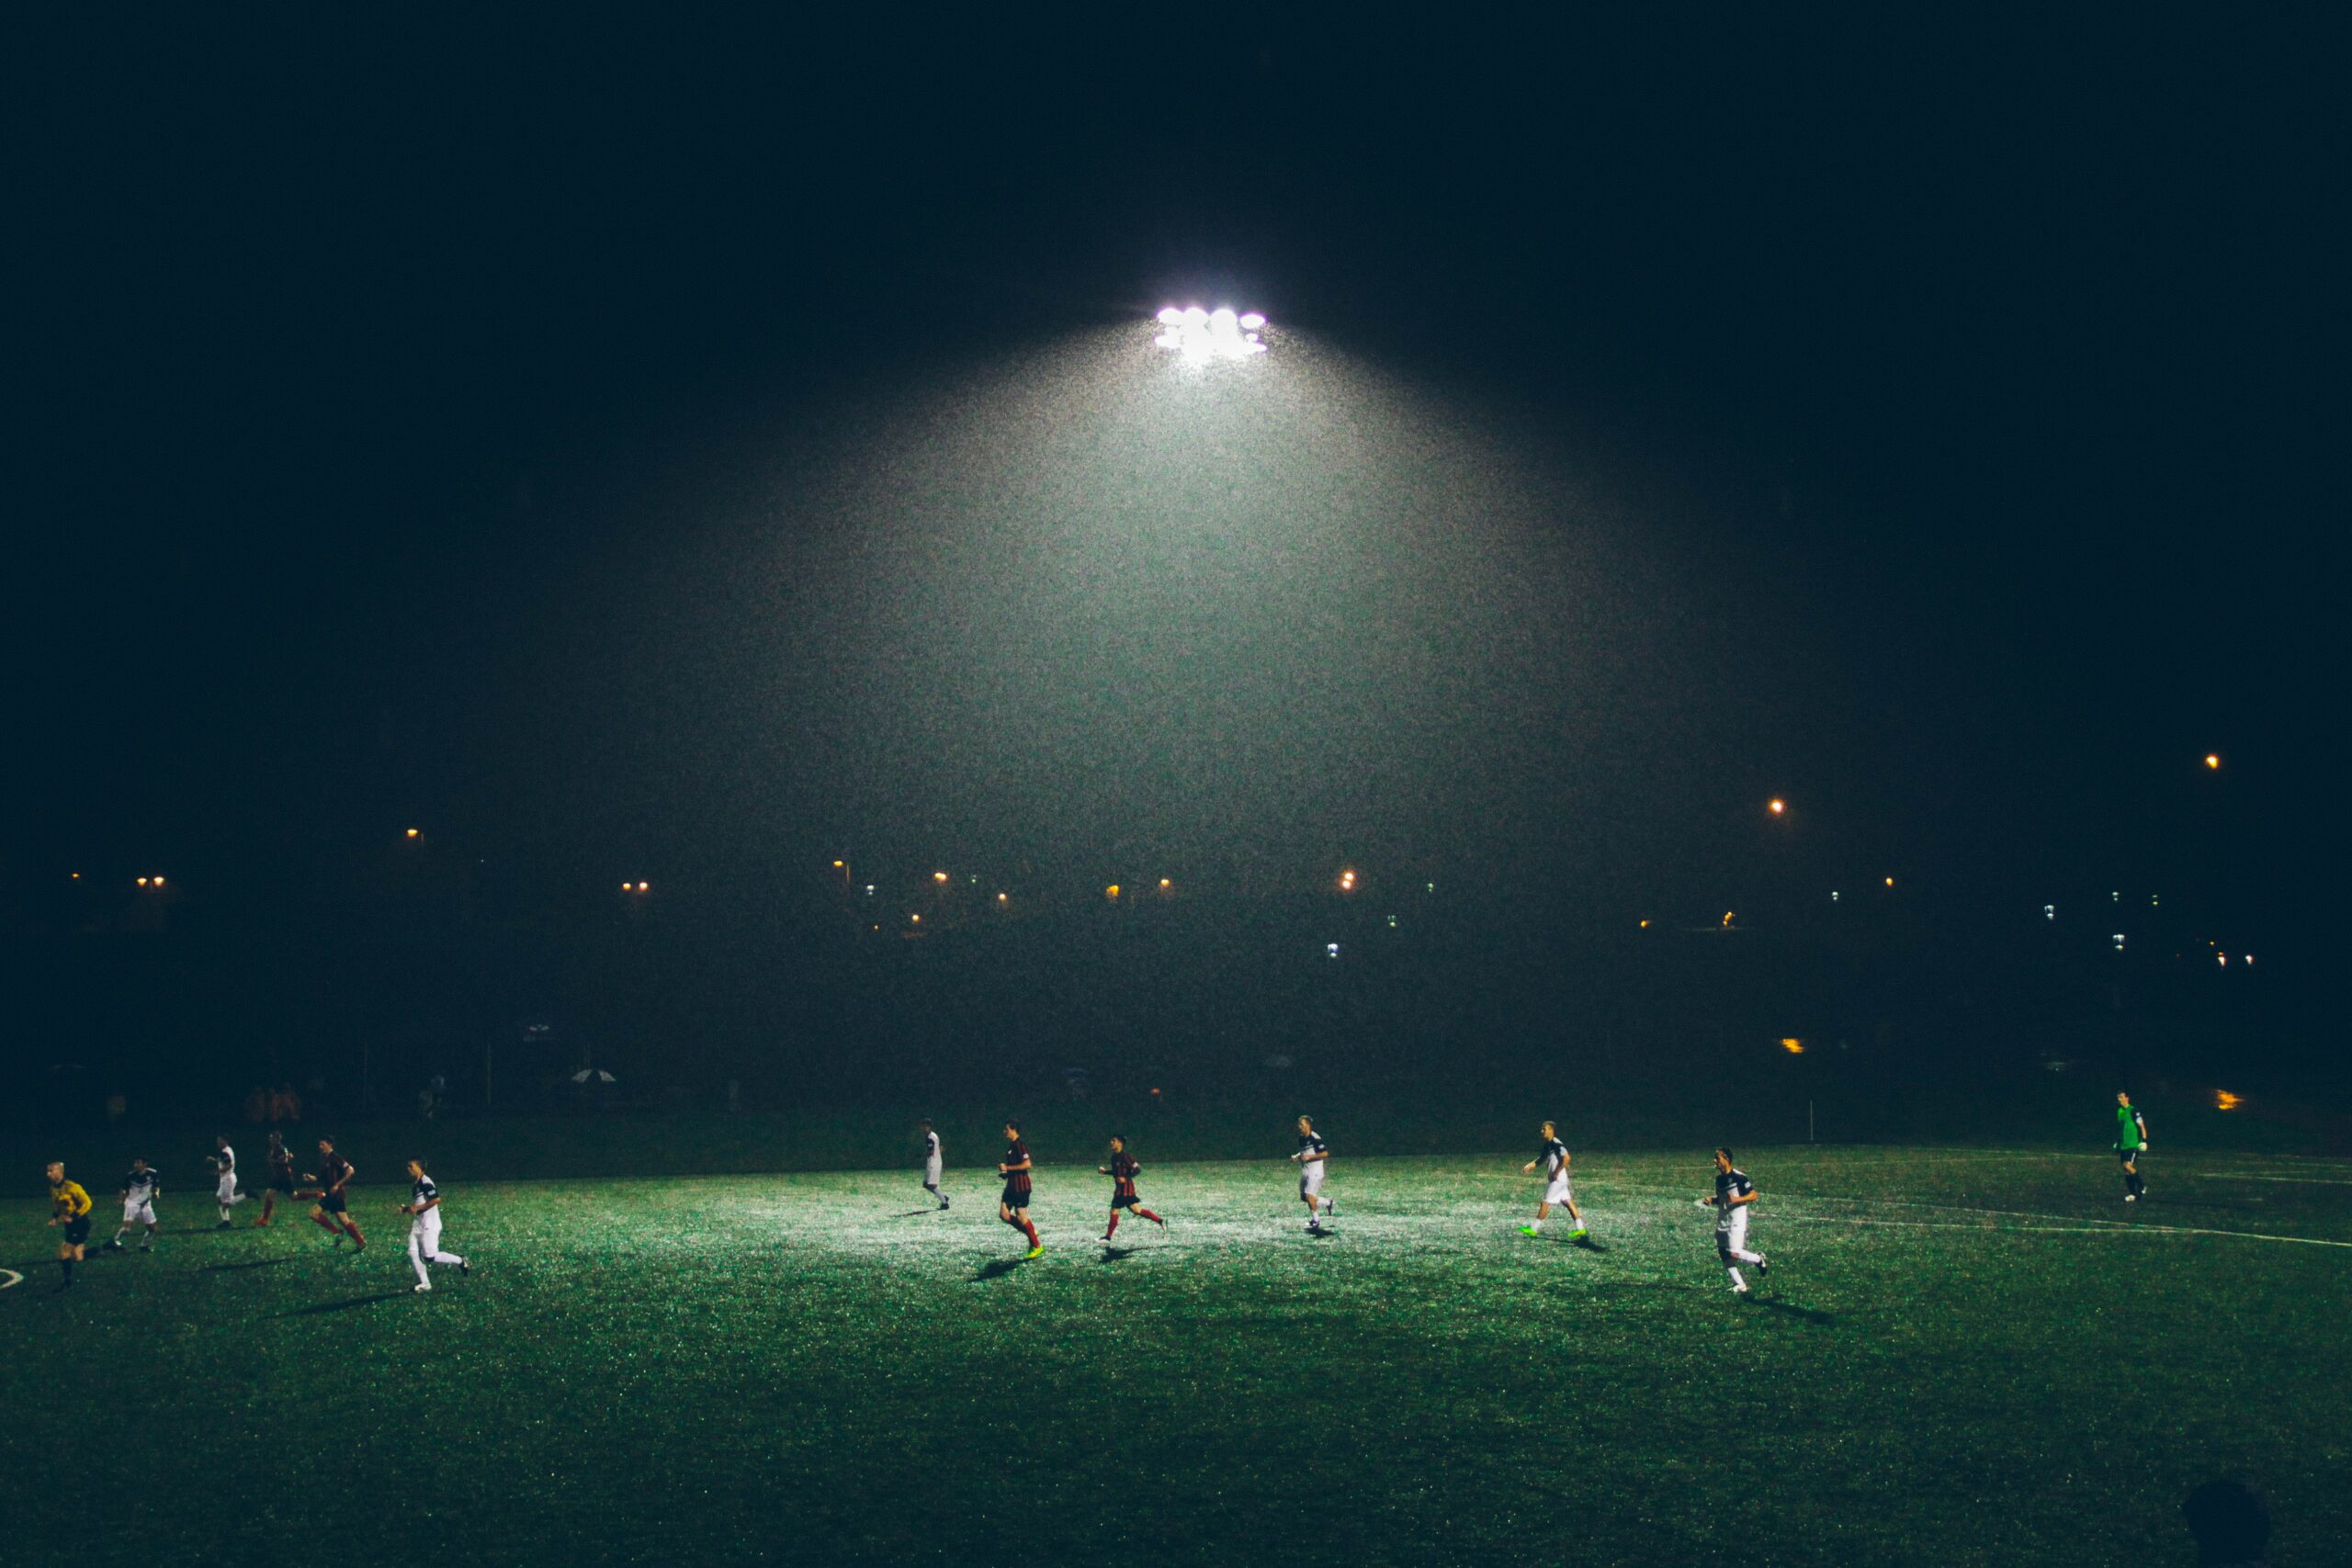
(448, 1257)
(120, 1234)
(1536, 1223)
(1737, 1282)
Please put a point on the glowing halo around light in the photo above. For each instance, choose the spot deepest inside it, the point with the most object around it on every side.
(1198, 336)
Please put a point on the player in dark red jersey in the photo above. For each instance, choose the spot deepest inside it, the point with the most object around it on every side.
(1012, 1208)
(330, 1210)
(1123, 1171)
(281, 1175)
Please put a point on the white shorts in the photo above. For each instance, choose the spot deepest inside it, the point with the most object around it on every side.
(142, 1212)
(1557, 1192)
(1310, 1178)
(228, 1189)
(425, 1230)
(1731, 1230)
(931, 1173)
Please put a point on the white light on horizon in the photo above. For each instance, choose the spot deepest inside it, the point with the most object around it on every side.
(1199, 335)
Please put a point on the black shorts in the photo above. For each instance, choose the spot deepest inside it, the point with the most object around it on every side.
(2127, 1155)
(1015, 1197)
(332, 1202)
(78, 1230)
(1124, 1200)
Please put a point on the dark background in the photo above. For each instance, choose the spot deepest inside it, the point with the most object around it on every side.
(492, 426)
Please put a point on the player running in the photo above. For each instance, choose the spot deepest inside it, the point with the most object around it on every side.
(2131, 1142)
(1734, 1194)
(1012, 1207)
(1554, 1157)
(932, 1163)
(1312, 1153)
(1123, 1171)
(139, 1191)
(281, 1175)
(423, 1209)
(224, 1163)
(69, 1206)
(332, 1210)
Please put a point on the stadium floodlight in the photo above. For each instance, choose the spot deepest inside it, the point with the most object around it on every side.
(1199, 335)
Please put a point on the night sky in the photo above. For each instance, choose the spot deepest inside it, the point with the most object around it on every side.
(626, 444)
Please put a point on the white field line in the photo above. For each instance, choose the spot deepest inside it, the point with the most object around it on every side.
(14, 1279)
(2297, 1181)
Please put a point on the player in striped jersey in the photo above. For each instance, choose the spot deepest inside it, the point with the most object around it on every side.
(1554, 1157)
(423, 1209)
(68, 1206)
(281, 1175)
(138, 1191)
(332, 1210)
(1012, 1206)
(1123, 1171)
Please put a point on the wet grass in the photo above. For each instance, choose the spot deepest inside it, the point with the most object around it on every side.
(1980, 1356)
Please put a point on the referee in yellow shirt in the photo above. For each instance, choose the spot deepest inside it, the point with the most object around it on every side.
(69, 1207)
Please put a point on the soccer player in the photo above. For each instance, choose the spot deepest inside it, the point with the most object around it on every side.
(224, 1162)
(1734, 1196)
(1012, 1208)
(2131, 1142)
(423, 1209)
(1554, 1157)
(1123, 1171)
(931, 1164)
(139, 1189)
(332, 1210)
(281, 1175)
(69, 1206)
(1311, 1154)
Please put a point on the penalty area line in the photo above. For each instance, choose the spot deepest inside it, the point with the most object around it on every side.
(2097, 1227)
(13, 1278)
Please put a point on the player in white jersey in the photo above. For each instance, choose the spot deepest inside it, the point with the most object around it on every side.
(139, 1191)
(423, 1209)
(224, 1164)
(1734, 1195)
(932, 1163)
(1554, 1157)
(1312, 1153)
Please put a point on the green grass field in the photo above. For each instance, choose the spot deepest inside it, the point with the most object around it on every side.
(1962, 1356)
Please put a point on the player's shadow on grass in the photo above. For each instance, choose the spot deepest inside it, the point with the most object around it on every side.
(1585, 1244)
(1810, 1315)
(1112, 1253)
(317, 1309)
(916, 1213)
(232, 1268)
(996, 1271)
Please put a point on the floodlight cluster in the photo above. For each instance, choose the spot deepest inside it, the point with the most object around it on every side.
(1198, 336)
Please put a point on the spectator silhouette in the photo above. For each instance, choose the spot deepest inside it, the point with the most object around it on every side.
(2232, 1527)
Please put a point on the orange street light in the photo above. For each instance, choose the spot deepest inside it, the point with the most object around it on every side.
(1778, 805)
(1111, 891)
(1793, 1045)
(939, 876)
(1890, 882)
(2212, 759)
(414, 833)
(1347, 881)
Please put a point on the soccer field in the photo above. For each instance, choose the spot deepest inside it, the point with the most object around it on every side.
(1972, 1356)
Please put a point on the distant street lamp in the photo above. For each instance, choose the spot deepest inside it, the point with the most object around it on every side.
(414, 833)
(2212, 760)
(1778, 805)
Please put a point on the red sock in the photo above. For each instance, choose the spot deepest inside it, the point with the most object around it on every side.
(1115, 1224)
(1032, 1229)
(1148, 1214)
(355, 1233)
(326, 1224)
